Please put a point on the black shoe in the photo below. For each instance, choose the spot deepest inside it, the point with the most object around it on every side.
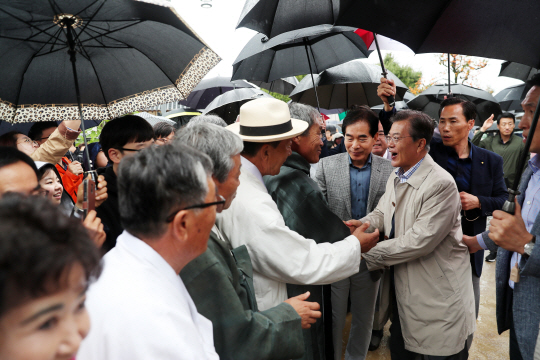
(491, 257)
(376, 337)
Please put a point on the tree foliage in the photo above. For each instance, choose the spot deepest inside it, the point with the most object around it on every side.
(277, 95)
(405, 73)
(465, 68)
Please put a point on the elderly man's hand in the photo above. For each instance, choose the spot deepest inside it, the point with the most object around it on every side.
(308, 311)
(468, 201)
(95, 228)
(386, 88)
(509, 231)
(472, 243)
(353, 224)
(367, 241)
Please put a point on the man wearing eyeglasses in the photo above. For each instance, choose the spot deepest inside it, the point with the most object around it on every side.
(478, 173)
(120, 138)
(419, 213)
(140, 308)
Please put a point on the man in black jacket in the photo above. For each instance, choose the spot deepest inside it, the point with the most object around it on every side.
(120, 138)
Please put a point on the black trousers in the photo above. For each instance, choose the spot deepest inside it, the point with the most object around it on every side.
(397, 344)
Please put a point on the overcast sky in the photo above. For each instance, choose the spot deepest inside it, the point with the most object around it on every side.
(216, 26)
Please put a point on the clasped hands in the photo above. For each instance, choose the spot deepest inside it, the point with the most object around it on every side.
(367, 241)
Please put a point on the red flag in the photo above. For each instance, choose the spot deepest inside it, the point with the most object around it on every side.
(367, 36)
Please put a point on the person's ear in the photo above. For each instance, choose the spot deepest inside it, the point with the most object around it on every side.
(470, 124)
(376, 137)
(181, 224)
(115, 155)
(296, 140)
(421, 145)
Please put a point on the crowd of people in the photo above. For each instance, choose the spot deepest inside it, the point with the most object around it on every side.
(226, 241)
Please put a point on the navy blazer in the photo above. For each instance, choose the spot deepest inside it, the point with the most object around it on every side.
(526, 303)
(487, 183)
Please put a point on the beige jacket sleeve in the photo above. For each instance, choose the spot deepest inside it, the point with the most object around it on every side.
(437, 217)
(56, 146)
(376, 217)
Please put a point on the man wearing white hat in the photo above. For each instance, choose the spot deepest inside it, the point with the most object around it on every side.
(279, 255)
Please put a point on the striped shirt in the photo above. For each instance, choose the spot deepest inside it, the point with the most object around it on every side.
(405, 175)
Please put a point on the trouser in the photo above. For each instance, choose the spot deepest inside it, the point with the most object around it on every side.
(363, 292)
(476, 291)
(515, 353)
(397, 343)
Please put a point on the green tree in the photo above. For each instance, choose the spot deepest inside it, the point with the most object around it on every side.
(277, 95)
(406, 74)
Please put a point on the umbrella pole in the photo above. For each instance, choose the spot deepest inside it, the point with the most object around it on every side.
(449, 90)
(510, 205)
(69, 23)
(391, 100)
(311, 73)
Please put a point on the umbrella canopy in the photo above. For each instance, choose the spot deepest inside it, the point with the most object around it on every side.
(287, 54)
(210, 88)
(510, 98)
(281, 86)
(517, 71)
(429, 101)
(408, 96)
(227, 106)
(153, 120)
(354, 82)
(122, 65)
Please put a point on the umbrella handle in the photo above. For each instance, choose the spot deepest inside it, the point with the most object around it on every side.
(391, 99)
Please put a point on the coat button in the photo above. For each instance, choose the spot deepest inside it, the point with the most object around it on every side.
(393, 204)
(385, 237)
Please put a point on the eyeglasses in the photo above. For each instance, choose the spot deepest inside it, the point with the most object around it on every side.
(395, 139)
(29, 141)
(219, 207)
(125, 149)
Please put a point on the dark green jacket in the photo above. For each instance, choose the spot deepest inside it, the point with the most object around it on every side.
(305, 211)
(222, 290)
(510, 152)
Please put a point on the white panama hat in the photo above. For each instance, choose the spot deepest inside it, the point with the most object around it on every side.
(266, 120)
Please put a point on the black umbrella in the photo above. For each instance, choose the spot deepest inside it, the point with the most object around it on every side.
(354, 82)
(305, 51)
(429, 101)
(65, 60)
(227, 106)
(510, 98)
(208, 89)
(281, 86)
(517, 71)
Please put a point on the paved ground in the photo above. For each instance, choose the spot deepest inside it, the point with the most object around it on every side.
(487, 343)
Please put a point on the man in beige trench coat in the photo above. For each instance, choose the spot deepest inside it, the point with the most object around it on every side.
(433, 304)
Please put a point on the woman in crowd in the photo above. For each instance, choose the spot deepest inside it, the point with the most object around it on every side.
(46, 263)
(163, 133)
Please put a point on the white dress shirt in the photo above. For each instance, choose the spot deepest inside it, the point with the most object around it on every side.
(140, 309)
(278, 254)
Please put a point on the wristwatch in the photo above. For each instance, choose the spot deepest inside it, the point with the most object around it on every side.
(528, 248)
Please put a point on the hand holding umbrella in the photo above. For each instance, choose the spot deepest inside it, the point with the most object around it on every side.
(386, 91)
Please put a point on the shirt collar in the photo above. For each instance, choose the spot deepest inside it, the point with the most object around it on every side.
(368, 162)
(405, 175)
(454, 153)
(534, 164)
(249, 167)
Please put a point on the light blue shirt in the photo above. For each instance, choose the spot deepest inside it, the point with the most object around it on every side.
(529, 210)
(360, 180)
(405, 175)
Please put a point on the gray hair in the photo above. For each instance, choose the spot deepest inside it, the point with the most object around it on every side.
(207, 119)
(218, 143)
(303, 112)
(157, 181)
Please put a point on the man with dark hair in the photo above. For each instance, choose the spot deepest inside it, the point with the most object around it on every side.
(120, 138)
(478, 173)
(352, 183)
(241, 332)
(279, 255)
(432, 300)
(140, 307)
(41, 130)
(514, 238)
(504, 143)
(18, 172)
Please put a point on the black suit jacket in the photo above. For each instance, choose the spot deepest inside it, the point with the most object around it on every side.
(487, 183)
